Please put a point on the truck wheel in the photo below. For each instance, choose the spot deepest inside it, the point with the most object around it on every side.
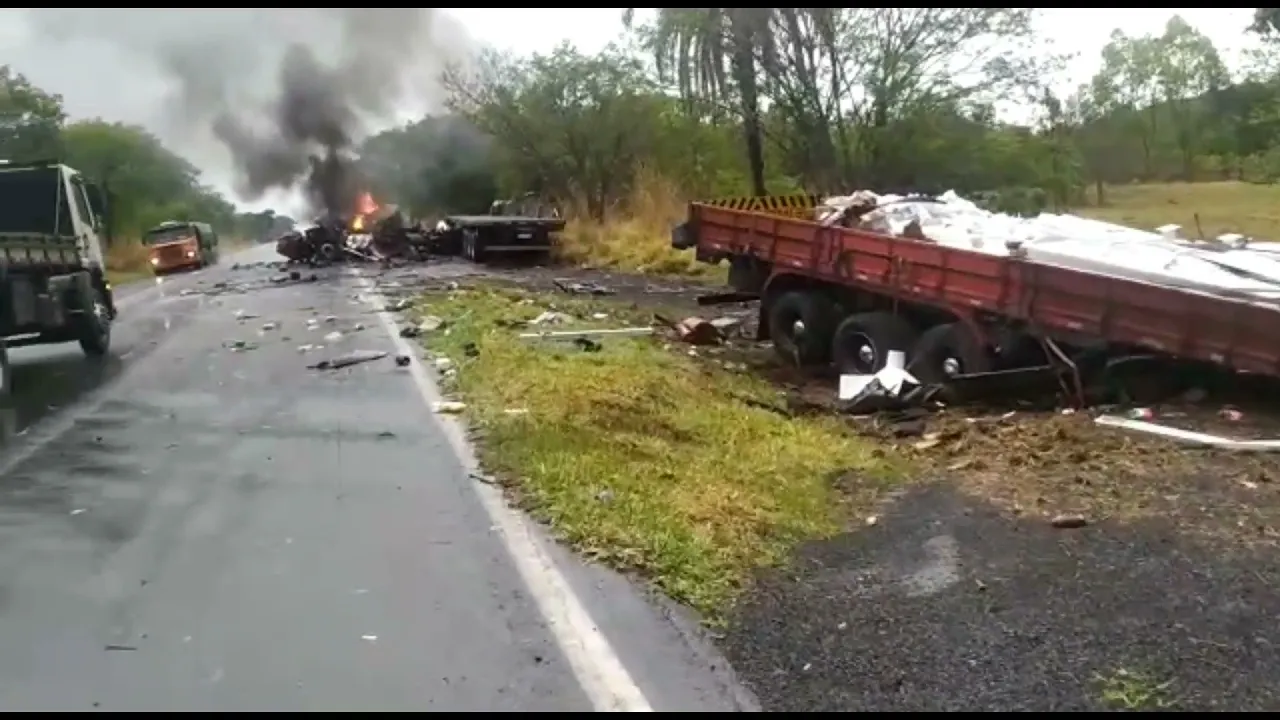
(94, 326)
(862, 342)
(6, 373)
(945, 351)
(800, 325)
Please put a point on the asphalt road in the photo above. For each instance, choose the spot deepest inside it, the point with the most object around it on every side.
(187, 527)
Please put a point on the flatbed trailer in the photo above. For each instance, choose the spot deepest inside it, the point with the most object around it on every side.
(848, 296)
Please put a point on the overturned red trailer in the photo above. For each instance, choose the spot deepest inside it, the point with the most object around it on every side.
(847, 296)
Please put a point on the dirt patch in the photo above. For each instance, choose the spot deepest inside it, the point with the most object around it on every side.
(948, 603)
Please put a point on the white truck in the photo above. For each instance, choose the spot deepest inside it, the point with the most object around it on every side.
(53, 283)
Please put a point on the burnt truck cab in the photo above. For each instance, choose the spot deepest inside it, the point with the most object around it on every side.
(181, 245)
(53, 284)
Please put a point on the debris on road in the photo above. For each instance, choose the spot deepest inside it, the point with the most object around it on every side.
(402, 361)
(354, 358)
(448, 407)
(239, 345)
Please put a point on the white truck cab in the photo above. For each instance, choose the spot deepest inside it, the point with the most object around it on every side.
(53, 285)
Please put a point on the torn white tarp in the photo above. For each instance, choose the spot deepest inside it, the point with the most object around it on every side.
(890, 381)
(1161, 258)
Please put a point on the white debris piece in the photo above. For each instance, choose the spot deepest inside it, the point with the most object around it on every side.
(890, 380)
(1161, 257)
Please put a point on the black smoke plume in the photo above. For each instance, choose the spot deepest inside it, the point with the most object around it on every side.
(290, 93)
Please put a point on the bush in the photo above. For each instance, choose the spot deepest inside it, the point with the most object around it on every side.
(127, 259)
(636, 234)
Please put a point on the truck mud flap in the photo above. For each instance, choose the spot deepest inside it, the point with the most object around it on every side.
(683, 237)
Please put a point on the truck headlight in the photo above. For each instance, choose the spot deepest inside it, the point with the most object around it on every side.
(155, 261)
(191, 254)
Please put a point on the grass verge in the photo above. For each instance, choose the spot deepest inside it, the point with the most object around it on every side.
(639, 456)
(1222, 207)
(127, 261)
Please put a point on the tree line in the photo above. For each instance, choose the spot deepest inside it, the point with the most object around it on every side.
(724, 101)
(146, 183)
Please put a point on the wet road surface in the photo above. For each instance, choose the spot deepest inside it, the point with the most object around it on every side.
(184, 527)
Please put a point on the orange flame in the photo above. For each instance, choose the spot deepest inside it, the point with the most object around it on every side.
(365, 206)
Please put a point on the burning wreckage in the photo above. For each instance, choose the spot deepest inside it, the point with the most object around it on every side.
(903, 293)
(383, 233)
(371, 233)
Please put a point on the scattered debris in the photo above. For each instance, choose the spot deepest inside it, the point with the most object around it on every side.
(355, 358)
(892, 387)
(402, 361)
(240, 346)
(1189, 437)
(429, 323)
(575, 334)
(550, 317)
(448, 407)
(334, 336)
(1068, 522)
(582, 288)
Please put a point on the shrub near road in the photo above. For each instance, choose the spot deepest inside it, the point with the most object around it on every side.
(638, 456)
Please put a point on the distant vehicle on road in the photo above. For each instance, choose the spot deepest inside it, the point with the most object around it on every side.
(53, 284)
(181, 245)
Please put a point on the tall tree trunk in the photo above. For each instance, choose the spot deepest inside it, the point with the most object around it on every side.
(744, 70)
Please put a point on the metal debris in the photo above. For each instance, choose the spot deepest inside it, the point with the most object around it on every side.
(355, 358)
(583, 288)
(575, 334)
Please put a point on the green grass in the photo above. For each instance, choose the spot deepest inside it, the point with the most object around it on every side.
(1253, 210)
(638, 455)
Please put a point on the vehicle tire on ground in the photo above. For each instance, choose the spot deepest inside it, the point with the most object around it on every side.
(472, 249)
(93, 325)
(6, 373)
(862, 342)
(947, 350)
(800, 325)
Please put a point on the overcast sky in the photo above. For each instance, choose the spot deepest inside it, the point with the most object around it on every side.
(107, 63)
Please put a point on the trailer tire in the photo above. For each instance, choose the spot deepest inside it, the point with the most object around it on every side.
(862, 342)
(801, 325)
(947, 350)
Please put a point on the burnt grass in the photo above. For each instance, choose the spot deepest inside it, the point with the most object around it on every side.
(959, 593)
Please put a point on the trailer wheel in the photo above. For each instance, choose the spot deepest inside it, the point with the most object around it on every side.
(862, 342)
(800, 326)
(947, 350)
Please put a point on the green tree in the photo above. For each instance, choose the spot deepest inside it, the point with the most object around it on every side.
(30, 119)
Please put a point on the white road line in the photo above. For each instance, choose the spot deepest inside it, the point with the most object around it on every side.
(596, 665)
